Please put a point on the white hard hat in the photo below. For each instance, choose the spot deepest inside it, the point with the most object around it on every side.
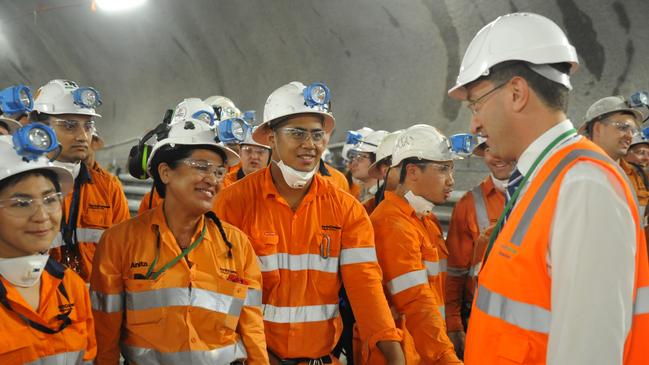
(11, 163)
(639, 138)
(11, 124)
(423, 142)
(193, 133)
(371, 142)
(527, 37)
(223, 107)
(384, 151)
(327, 156)
(295, 98)
(249, 141)
(351, 142)
(612, 104)
(194, 110)
(66, 97)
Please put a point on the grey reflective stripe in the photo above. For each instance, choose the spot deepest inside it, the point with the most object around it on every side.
(442, 310)
(641, 305)
(480, 209)
(83, 235)
(219, 356)
(357, 255)
(169, 297)
(253, 298)
(298, 262)
(475, 269)
(407, 281)
(526, 219)
(108, 303)
(307, 313)
(457, 271)
(72, 357)
(435, 268)
(523, 315)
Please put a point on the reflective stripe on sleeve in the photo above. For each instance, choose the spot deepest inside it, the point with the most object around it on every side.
(457, 271)
(83, 235)
(72, 357)
(219, 356)
(307, 313)
(641, 305)
(407, 281)
(169, 297)
(526, 316)
(108, 303)
(253, 298)
(357, 255)
(298, 262)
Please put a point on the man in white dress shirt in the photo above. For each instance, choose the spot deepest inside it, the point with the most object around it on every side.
(559, 282)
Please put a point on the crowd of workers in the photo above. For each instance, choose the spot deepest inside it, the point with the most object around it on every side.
(251, 248)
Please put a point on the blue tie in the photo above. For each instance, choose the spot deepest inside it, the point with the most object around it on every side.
(514, 180)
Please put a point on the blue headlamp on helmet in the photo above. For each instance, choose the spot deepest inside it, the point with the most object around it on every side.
(462, 143)
(353, 138)
(249, 117)
(639, 98)
(86, 97)
(316, 95)
(34, 140)
(16, 100)
(645, 133)
(205, 116)
(233, 130)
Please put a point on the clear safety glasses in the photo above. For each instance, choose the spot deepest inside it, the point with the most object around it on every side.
(206, 168)
(26, 207)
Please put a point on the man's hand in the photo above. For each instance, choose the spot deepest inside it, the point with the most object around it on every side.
(458, 338)
(392, 352)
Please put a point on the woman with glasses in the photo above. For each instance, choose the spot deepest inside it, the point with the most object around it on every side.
(176, 285)
(45, 314)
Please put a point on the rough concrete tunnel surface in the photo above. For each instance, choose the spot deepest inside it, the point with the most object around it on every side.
(388, 63)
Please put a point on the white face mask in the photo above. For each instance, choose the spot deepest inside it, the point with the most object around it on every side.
(73, 167)
(419, 204)
(500, 185)
(294, 178)
(23, 271)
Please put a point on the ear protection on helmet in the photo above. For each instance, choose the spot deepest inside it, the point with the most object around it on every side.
(139, 154)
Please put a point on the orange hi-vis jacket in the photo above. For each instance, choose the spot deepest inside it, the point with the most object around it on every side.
(638, 184)
(512, 311)
(149, 201)
(232, 177)
(334, 176)
(410, 251)
(205, 309)
(61, 291)
(101, 204)
(306, 255)
(473, 214)
(370, 205)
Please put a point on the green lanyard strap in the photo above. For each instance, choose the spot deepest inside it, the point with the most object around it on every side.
(510, 203)
(150, 274)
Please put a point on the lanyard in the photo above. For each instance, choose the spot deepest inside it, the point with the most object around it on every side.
(510, 203)
(150, 274)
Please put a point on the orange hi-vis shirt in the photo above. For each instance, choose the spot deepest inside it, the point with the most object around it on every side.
(101, 205)
(472, 216)
(334, 176)
(511, 317)
(638, 185)
(411, 253)
(150, 200)
(232, 177)
(306, 255)
(61, 290)
(205, 309)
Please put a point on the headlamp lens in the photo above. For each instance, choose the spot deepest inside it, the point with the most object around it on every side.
(25, 98)
(39, 138)
(86, 97)
(639, 98)
(205, 117)
(316, 94)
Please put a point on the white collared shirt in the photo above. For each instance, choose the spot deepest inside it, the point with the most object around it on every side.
(591, 260)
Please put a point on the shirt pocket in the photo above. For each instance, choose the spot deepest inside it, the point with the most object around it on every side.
(97, 215)
(266, 247)
(229, 302)
(147, 301)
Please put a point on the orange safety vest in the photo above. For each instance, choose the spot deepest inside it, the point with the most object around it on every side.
(204, 309)
(512, 310)
(468, 233)
(101, 204)
(62, 293)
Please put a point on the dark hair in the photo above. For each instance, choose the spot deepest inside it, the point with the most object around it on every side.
(410, 161)
(15, 179)
(172, 157)
(552, 94)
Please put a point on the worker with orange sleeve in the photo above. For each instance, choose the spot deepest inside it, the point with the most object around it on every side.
(565, 277)
(382, 170)
(410, 245)
(472, 216)
(176, 285)
(310, 237)
(97, 200)
(45, 314)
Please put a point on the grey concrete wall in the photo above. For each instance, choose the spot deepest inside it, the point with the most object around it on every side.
(388, 63)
